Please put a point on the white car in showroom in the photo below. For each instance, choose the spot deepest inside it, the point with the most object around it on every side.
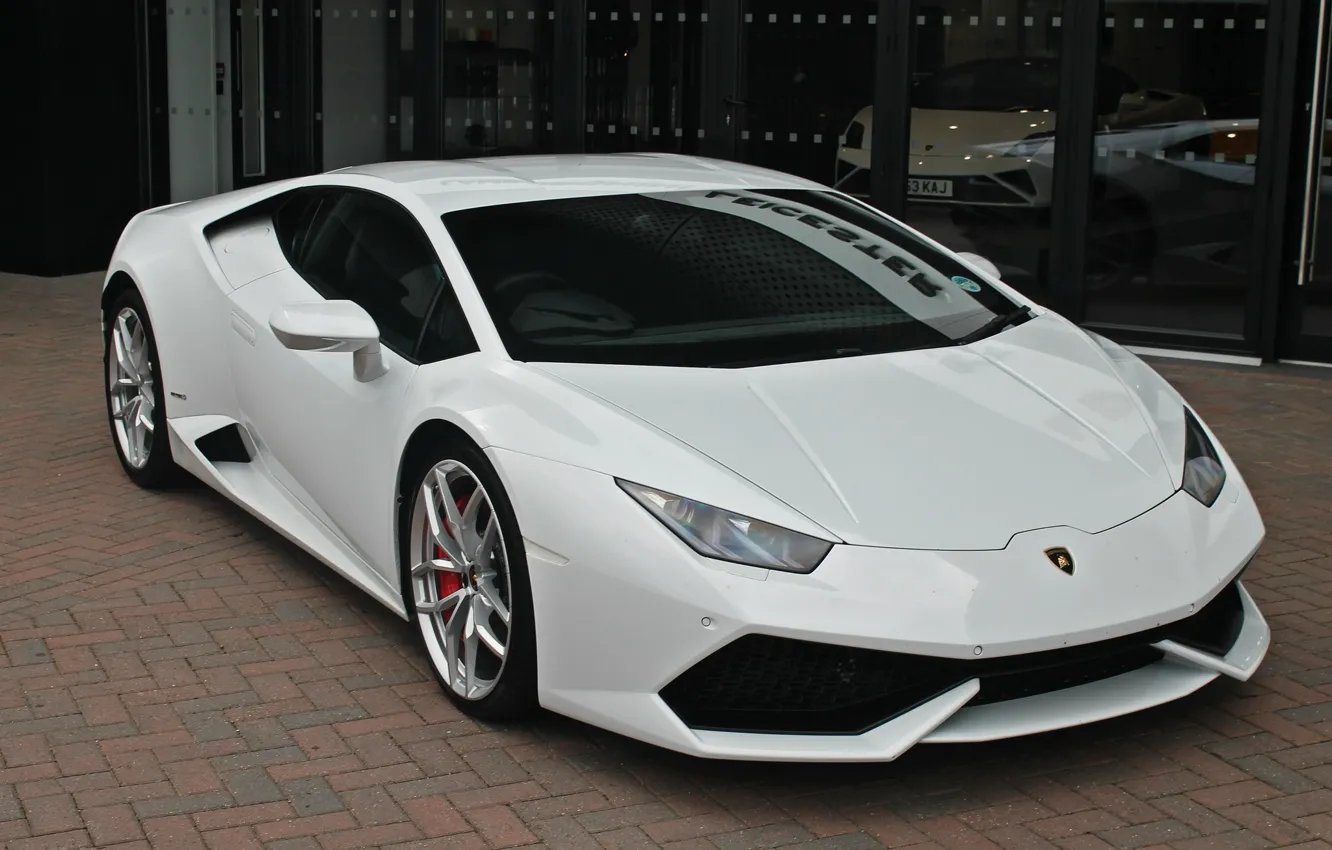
(707, 455)
(982, 132)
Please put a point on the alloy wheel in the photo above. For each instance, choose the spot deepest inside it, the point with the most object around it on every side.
(131, 388)
(460, 579)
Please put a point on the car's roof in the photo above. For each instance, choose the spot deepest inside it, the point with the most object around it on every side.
(449, 185)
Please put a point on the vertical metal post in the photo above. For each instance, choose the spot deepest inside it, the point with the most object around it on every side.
(894, 65)
(1075, 140)
(1315, 149)
(428, 61)
(1274, 263)
(569, 99)
(722, 83)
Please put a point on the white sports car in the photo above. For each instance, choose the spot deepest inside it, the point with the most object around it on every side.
(703, 454)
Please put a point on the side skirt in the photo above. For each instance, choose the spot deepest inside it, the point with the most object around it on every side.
(237, 471)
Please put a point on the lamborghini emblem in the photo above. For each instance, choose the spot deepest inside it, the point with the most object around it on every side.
(1060, 557)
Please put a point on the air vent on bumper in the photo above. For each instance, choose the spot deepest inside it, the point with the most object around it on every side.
(761, 683)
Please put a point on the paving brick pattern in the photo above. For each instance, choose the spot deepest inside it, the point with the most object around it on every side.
(174, 675)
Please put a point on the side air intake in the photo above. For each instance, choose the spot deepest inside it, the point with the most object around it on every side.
(225, 445)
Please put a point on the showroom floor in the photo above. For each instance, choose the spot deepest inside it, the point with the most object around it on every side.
(174, 675)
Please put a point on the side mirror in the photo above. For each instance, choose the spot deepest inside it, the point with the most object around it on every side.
(983, 264)
(331, 326)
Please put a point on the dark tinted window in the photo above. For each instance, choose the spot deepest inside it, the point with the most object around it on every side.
(991, 85)
(446, 333)
(292, 222)
(720, 278)
(367, 249)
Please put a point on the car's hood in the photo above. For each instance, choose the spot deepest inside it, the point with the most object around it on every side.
(953, 448)
(939, 132)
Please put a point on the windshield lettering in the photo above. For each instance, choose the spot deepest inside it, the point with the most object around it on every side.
(897, 263)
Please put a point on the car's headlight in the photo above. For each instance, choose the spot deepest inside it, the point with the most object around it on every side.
(1204, 475)
(726, 536)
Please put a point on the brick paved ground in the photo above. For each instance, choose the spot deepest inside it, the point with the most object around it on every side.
(174, 675)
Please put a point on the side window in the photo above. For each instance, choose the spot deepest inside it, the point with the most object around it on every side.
(367, 249)
(447, 333)
(292, 221)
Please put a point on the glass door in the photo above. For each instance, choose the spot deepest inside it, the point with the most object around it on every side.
(1308, 303)
(645, 62)
(984, 107)
(1173, 216)
(262, 92)
(498, 77)
(806, 88)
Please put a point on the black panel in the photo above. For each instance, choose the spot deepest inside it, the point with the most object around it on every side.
(1216, 627)
(1075, 140)
(570, 61)
(70, 81)
(894, 62)
(224, 445)
(760, 683)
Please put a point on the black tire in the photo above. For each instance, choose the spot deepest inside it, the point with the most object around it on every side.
(159, 470)
(513, 694)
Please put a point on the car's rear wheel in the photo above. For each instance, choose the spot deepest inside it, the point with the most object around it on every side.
(466, 583)
(134, 393)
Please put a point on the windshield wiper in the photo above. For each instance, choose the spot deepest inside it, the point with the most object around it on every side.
(799, 357)
(995, 325)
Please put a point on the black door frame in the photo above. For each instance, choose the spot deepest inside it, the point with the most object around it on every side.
(154, 132)
(1283, 306)
(288, 56)
(1271, 201)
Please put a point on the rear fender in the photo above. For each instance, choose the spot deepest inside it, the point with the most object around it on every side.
(170, 265)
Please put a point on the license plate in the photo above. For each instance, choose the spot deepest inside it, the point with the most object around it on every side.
(930, 188)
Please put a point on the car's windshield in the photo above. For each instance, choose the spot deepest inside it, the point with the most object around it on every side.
(722, 278)
(991, 85)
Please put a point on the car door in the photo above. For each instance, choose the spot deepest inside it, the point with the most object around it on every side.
(328, 437)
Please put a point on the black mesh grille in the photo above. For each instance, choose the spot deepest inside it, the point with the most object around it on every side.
(760, 683)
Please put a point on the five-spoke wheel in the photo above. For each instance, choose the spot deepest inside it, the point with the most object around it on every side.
(468, 585)
(130, 383)
(134, 393)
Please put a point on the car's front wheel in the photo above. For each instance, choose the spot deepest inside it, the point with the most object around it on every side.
(466, 583)
(134, 393)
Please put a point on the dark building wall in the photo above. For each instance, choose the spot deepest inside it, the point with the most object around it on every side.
(70, 71)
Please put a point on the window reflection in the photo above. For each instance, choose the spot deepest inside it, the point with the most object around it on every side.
(497, 76)
(644, 75)
(984, 110)
(355, 109)
(1314, 298)
(807, 69)
(1171, 215)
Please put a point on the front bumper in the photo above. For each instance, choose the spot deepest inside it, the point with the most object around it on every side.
(985, 181)
(626, 615)
(961, 714)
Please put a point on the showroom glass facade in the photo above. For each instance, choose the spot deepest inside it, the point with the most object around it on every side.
(1147, 167)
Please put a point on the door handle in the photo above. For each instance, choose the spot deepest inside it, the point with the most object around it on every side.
(1313, 173)
(730, 101)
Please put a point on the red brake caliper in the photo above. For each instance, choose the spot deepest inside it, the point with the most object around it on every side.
(450, 583)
